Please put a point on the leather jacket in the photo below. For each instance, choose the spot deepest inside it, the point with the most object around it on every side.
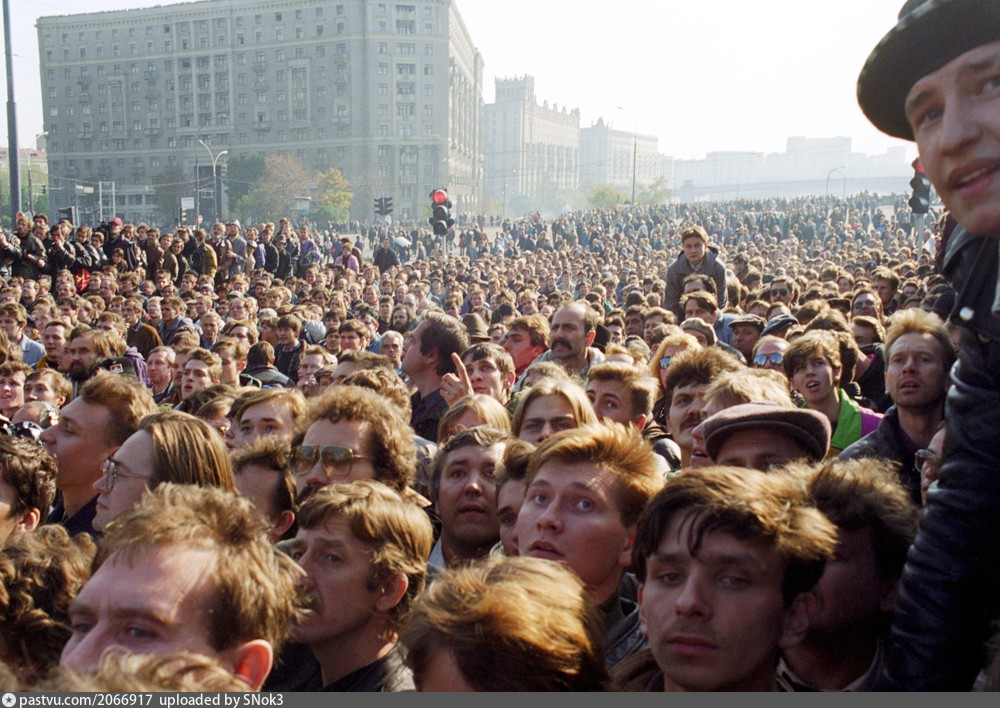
(950, 592)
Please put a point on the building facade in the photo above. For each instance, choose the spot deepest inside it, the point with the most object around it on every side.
(528, 146)
(389, 93)
(617, 157)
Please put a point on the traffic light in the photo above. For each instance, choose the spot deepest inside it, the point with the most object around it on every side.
(70, 214)
(441, 219)
(386, 206)
(920, 202)
(380, 206)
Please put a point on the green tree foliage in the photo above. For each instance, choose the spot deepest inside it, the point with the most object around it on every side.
(333, 201)
(273, 194)
(604, 196)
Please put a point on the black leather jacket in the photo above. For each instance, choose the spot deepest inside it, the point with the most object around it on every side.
(951, 584)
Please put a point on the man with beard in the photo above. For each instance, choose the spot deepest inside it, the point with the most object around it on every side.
(86, 347)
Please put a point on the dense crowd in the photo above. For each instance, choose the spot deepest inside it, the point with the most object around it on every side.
(741, 446)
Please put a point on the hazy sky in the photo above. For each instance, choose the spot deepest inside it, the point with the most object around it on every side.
(702, 75)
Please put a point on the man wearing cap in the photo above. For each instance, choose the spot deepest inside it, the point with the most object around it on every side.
(932, 79)
(747, 330)
(763, 435)
(696, 257)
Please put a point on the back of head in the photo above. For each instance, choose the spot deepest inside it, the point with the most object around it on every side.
(187, 450)
(510, 624)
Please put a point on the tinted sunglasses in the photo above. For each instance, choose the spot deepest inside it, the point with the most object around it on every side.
(761, 360)
(779, 293)
(337, 461)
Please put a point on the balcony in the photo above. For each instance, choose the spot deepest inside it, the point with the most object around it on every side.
(260, 66)
(262, 125)
(260, 85)
(154, 132)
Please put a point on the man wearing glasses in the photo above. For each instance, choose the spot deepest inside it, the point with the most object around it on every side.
(91, 427)
(783, 290)
(353, 433)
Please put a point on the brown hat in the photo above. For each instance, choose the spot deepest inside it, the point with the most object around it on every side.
(809, 428)
(748, 319)
(696, 325)
(476, 328)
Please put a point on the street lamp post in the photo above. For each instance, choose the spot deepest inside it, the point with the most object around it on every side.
(31, 190)
(635, 147)
(216, 185)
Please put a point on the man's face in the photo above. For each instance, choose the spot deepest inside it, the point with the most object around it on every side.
(134, 459)
(781, 291)
(338, 568)
(915, 376)
(570, 515)
(158, 368)
(392, 349)
(12, 327)
(685, 413)
(611, 400)
(267, 419)
(759, 449)
(241, 334)
(349, 339)
(865, 304)
(287, 336)
(82, 355)
(154, 600)
(11, 393)
(54, 339)
(352, 434)
(885, 291)
(413, 360)
(197, 375)
(517, 343)
(744, 337)
(694, 249)
(466, 499)
(545, 416)
(696, 308)
(486, 378)
(715, 620)
(863, 334)
(167, 312)
(41, 389)
(569, 340)
(210, 329)
(615, 333)
(955, 115)
(78, 442)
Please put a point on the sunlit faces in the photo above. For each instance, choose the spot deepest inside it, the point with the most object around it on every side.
(696, 308)
(517, 343)
(270, 418)
(79, 444)
(11, 393)
(338, 571)
(197, 375)
(133, 470)
(42, 388)
(612, 400)
(159, 369)
(816, 379)
(570, 515)
(510, 498)
(684, 413)
(545, 416)
(915, 375)
(866, 304)
(715, 619)
(487, 379)
(759, 449)
(569, 340)
(166, 608)
(694, 250)
(81, 355)
(466, 498)
(956, 122)
(12, 327)
(344, 433)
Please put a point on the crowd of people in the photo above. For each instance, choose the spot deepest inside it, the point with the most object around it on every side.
(685, 447)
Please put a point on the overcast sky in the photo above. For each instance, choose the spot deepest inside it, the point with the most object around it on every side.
(701, 75)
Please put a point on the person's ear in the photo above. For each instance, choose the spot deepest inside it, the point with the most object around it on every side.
(29, 521)
(640, 421)
(391, 592)
(252, 662)
(591, 335)
(643, 627)
(283, 523)
(625, 557)
(797, 619)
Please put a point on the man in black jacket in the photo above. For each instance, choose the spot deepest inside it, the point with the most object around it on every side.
(932, 80)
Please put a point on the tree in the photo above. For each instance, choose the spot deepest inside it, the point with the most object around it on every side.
(333, 201)
(169, 186)
(273, 194)
(604, 196)
(241, 174)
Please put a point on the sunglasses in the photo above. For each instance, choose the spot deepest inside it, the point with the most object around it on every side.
(779, 293)
(112, 472)
(337, 461)
(761, 360)
(665, 362)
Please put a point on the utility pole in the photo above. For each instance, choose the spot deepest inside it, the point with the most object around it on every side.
(13, 156)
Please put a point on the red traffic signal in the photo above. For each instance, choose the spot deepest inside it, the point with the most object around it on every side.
(439, 196)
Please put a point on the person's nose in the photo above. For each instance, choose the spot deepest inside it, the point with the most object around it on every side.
(959, 126)
(693, 600)
(86, 654)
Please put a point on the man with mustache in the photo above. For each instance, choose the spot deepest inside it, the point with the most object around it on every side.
(573, 329)
(727, 559)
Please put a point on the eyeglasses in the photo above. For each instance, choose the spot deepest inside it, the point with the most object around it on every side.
(927, 460)
(761, 360)
(665, 362)
(337, 461)
(112, 472)
(779, 293)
